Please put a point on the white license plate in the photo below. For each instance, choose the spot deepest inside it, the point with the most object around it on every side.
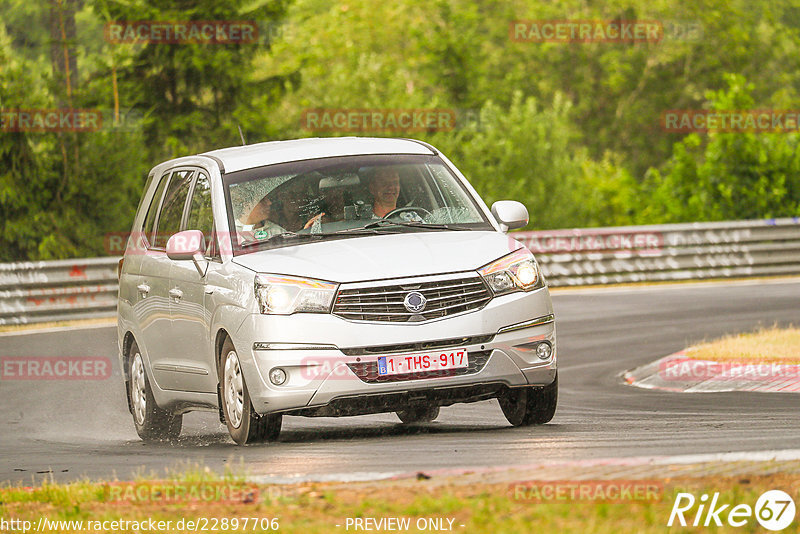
(420, 362)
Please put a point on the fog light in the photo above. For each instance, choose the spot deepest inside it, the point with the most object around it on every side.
(277, 376)
(544, 351)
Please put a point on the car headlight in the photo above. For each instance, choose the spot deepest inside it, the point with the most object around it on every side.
(285, 295)
(517, 271)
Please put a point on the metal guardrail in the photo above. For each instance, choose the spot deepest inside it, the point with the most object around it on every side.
(692, 251)
(33, 292)
(40, 291)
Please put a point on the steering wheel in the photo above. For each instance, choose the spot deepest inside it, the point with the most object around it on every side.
(404, 209)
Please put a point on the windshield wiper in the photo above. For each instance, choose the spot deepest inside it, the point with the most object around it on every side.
(373, 228)
(359, 230)
(383, 223)
(281, 236)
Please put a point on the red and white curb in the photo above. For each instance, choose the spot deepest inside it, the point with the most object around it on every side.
(678, 372)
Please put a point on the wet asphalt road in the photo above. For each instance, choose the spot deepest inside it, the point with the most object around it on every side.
(71, 429)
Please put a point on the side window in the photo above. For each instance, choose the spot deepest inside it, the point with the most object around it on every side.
(200, 214)
(150, 218)
(169, 221)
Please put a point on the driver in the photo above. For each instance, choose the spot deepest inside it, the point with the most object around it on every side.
(384, 186)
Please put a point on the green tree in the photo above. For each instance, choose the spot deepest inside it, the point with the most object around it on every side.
(727, 175)
(528, 153)
(61, 193)
(192, 93)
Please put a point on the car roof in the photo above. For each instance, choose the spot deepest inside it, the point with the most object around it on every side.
(249, 156)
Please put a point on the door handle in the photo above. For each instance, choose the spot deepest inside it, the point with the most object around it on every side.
(144, 289)
(176, 293)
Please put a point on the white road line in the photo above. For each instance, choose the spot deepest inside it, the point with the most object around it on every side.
(110, 324)
(658, 285)
(684, 459)
(365, 476)
(755, 456)
(742, 456)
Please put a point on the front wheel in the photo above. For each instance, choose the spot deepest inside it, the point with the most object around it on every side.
(244, 424)
(151, 422)
(528, 405)
(418, 414)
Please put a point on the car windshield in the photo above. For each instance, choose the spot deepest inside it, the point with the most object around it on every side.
(340, 197)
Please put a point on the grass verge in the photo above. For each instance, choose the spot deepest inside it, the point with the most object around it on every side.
(322, 508)
(767, 345)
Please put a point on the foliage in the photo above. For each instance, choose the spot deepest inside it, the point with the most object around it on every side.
(570, 129)
(527, 152)
(60, 193)
(729, 176)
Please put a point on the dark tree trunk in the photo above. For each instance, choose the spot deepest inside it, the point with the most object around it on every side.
(63, 40)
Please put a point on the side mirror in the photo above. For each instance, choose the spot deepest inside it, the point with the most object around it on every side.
(189, 245)
(510, 214)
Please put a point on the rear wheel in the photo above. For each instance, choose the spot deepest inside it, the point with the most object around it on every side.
(244, 424)
(418, 414)
(151, 422)
(530, 405)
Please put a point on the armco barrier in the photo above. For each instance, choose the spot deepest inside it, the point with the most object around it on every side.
(38, 291)
(68, 289)
(667, 252)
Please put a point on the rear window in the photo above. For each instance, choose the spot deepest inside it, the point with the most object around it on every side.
(200, 215)
(169, 220)
(150, 219)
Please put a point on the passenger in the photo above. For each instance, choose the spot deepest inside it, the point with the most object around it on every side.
(256, 225)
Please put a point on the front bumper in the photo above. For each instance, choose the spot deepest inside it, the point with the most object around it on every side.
(322, 354)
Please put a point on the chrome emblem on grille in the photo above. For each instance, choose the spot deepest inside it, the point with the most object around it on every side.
(415, 302)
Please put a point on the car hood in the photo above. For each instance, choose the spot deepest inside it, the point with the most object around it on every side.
(378, 257)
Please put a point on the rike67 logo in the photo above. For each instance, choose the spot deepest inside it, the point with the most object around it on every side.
(774, 510)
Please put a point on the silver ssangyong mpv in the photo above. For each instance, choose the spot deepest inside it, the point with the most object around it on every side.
(328, 277)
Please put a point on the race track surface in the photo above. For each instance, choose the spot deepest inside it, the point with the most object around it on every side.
(66, 430)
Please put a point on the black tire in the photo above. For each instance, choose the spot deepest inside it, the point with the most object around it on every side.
(418, 414)
(151, 422)
(530, 405)
(244, 424)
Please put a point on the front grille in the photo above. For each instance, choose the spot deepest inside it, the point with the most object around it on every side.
(385, 303)
(368, 371)
(419, 346)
